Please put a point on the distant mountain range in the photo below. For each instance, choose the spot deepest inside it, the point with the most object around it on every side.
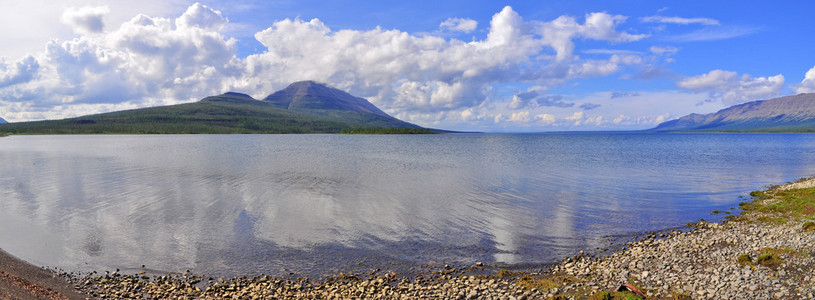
(302, 107)
(2, 121)
(784, 114)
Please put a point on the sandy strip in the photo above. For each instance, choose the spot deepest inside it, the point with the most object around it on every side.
(21, 280)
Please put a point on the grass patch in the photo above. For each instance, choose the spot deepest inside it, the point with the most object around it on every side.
(773, 220)
(745, 260)
(720, 212)
(797, 203)
(777, 251)
(809, 226)
(505, 273)
(760, 195)
(768, 260)
(530, 282)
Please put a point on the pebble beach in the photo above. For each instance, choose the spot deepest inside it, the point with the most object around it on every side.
(765, 252)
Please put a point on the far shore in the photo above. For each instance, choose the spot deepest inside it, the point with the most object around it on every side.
(766, 251)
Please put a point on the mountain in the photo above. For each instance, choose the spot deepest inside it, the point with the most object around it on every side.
(785, 114)
(309, 95)
(2, 121)
(314, 108)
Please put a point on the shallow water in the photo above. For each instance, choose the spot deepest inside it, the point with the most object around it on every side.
(318, 204)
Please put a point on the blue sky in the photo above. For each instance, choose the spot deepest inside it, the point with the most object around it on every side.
(461, 65)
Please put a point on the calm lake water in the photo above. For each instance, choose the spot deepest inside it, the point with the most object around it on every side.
(319, 204)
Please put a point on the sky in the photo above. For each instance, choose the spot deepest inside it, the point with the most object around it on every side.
(513, 66)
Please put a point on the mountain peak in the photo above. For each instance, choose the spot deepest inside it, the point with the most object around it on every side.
(236, 94)
(231, 97)
(311, 95)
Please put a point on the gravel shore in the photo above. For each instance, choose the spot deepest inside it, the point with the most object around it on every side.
(765, 252)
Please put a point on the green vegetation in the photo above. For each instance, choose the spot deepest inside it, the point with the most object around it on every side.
(768, 260)
(809, 226)
(782, 204)
(224, 114)
(745, 260)
(386, 131)
(777, 251)
(768, 257)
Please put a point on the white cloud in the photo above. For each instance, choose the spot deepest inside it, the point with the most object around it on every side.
(577, 118)
(522, 99)
(145, 62)
(679, 20)
(714, 34)
(459, 24)
(612, 52)
(397, 70)
(560, 32)
(621, 118)
(601, 26)
(520, 117)
(663, 50)
(546, 119)
(600, 68)
(21, 71)
(808, 84)
(732, 88)
(199, 15)
(86, 19)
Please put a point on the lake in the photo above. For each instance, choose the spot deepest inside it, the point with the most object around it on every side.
(320, 204)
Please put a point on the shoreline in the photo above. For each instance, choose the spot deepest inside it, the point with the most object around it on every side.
(764, 252)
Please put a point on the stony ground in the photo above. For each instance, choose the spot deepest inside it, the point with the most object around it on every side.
(764, 253)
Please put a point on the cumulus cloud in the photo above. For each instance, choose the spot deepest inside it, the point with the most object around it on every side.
(522, 99)
(560, 32)
(459, 24)
(679, 20)
(520, 117)
(732, 88)
(534, 99)
(145, 62)
(546, 119)
(151, 61)
(21, 71)
(397, 70)
(576, 118)
(199, 15)
(808, 84)
(86, 19)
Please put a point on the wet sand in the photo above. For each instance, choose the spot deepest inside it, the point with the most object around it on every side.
(21, 280)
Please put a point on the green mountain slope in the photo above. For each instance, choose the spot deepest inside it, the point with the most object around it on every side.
(226, 113)
(785, 114)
